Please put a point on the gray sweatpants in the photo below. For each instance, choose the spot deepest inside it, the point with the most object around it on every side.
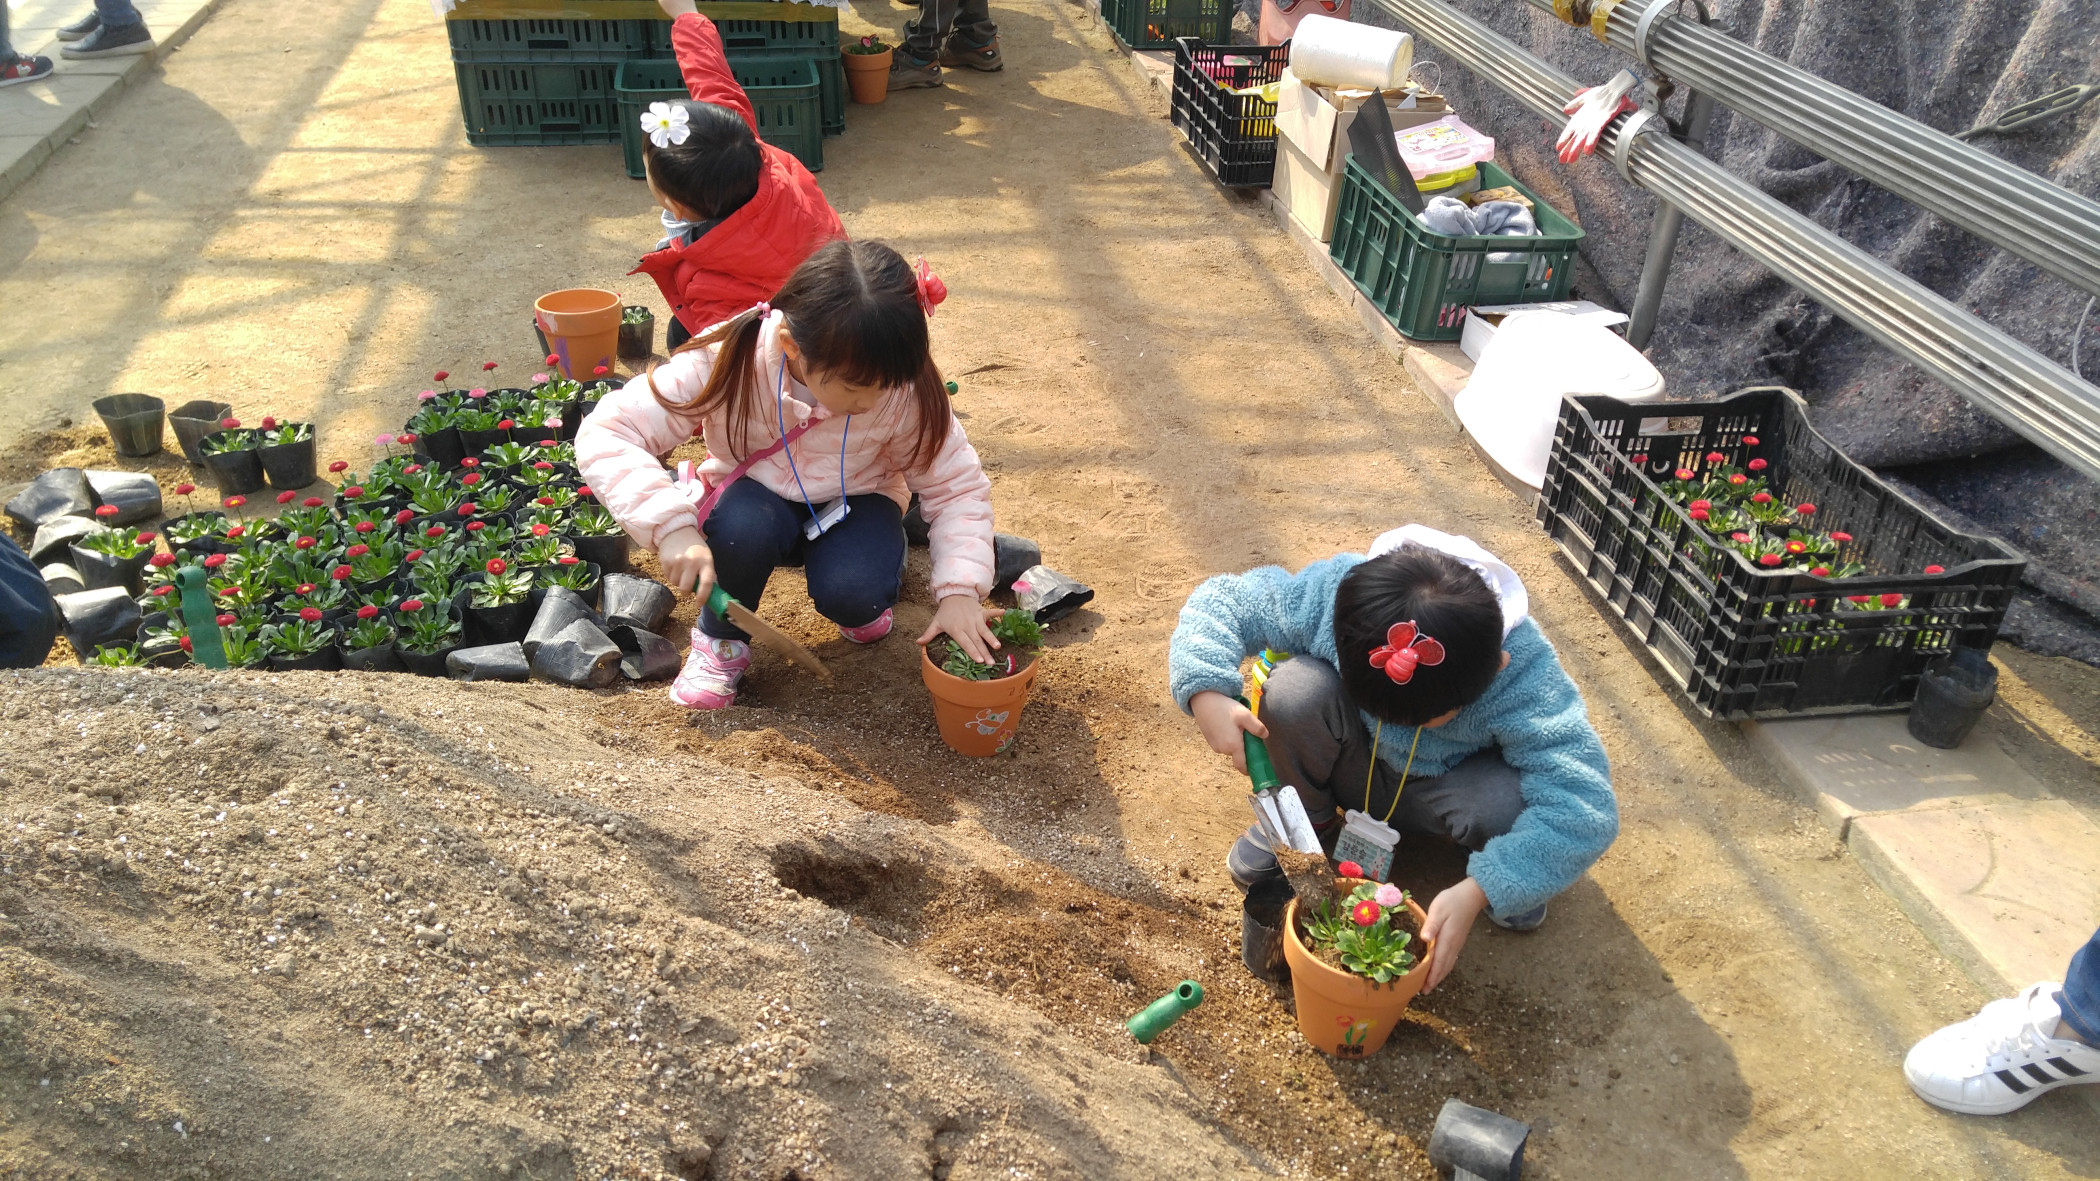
(937, 18)
(1319, 744)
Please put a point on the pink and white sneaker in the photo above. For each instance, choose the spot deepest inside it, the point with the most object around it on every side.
(868, 633)
(713, 669)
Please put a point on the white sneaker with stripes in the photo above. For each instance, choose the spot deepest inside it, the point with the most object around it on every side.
(2001, 1059)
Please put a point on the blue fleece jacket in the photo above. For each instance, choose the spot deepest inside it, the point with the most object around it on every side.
(1531, 710)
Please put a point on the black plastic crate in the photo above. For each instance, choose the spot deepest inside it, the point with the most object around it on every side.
(1234, 133)
(1748, 642)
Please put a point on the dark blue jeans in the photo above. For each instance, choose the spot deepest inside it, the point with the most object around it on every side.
(2081, 997)
(118, 13)
(855, 569)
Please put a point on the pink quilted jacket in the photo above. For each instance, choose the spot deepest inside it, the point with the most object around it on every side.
(619, 447)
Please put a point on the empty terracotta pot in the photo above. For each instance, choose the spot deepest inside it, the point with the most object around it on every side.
(582, 328)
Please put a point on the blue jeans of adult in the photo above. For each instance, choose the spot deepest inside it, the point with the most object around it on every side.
(117, 14)
(855, 569)
(2081, 995)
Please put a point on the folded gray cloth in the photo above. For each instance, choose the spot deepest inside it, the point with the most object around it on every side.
(1504, 219)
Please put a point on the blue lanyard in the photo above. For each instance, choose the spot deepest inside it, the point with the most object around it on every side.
(780, 415)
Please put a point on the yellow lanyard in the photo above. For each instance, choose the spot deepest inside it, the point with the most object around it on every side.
(1403, 771)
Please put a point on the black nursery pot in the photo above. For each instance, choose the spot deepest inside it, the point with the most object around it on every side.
(608, 554)
(99, 570)
(379, 658)
(476, 442)
(443, 446)
(1952, 696)
(500, 625)
(425, 665)
(237, 473)
(134, 422)
(193, 421)
(290, 465)
(326, 660)
(637, 341)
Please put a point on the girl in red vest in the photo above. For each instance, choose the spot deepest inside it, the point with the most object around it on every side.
(741, 214)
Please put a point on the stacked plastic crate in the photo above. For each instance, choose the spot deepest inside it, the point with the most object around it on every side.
(546, 72)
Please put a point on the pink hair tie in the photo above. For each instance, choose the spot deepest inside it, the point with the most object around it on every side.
(1405, 648)
(764, 308)
(932, 292)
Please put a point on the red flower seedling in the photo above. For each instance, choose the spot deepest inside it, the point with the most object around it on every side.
(365, 527)
(487, 365)
(505, 424)
(1769, 560)
(305, 543)
(285, 497)
(477, 394)
(339, 573)
(1365, 913)
(600, 371)
(544, 501)
(466, 508)
(496, 566)
(412, 605)
(1891, 600)
(1859, 598)
(412, 555)
(1760, 498)
(227, 620)
(269, 423)
(434, 531)
(305, 588)
(553, 358)
(404, 440)
(1739, 538)
(549, 443)
(1797, 547)
(569, 559)
(357, 551)
(185, 642)
(1738, 479)
(310, 614)
(1749, 440)
(440, 375)
(583, 490)
(404, 516)
(470, 479)
(231, 424)
(1716, 457)
(1641, 459)
(1349, 869)
(338, 467)
(1700, 514)
(161, 562)
(237, 532)
(107, 511)
(476, 526)
(540, 529)
(412, 469)
(1757, 465)
(368, 611)
(543, 465)
(214, 561)
(1821, 571)
(1935, 569)
(147, 538)
(1805, 510)
(235, 501)
(162, 591)
(1685, 473)
(470, 463)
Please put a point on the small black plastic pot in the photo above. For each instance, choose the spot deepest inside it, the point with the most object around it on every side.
(99, 570)
(637, 341)
(290, 465)
(237, 473)
(608, 554)
(379, 658)
(500, 625)
(425, 665)
(441, 446)
(1261, 929)
(1952, 696)
(135, 422)
(327, 659)
(476, 442)
(194, 420)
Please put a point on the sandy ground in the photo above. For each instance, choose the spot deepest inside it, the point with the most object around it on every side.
(289, 218)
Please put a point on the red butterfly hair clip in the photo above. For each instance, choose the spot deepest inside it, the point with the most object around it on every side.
(1405, 648)
(932, 292)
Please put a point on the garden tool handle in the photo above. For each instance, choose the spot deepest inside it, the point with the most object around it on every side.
(1261, 772)
(718, 600)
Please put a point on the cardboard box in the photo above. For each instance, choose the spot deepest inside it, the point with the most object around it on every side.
(1310, 192)
(1481, 322)
(1313, 119)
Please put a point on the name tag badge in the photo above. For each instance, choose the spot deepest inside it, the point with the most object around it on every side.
(830, 515)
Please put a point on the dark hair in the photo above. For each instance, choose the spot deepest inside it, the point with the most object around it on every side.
(1448, 602)
(715, 171)
(853, 310)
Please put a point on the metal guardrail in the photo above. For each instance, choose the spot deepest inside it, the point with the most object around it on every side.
(2008, 380)
(2044, 223)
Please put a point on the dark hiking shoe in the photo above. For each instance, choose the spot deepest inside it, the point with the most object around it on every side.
(111, 41)
(23, 68)
(958, 52)
(81, 27)
(909, 73)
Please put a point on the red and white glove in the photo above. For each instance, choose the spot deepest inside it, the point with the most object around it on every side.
(1591, 111)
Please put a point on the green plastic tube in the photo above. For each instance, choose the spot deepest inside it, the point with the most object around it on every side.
(1153, 1019)
(200, 619)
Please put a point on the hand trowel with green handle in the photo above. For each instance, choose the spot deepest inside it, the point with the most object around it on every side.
(719, 602)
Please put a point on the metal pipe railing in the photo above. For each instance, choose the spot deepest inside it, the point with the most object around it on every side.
(2013, 383)
(2046, 224)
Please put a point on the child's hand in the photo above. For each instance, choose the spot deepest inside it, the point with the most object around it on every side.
(689, 566)
(1451, 914)
(1221, 719)
(966, 621)
(676, 8)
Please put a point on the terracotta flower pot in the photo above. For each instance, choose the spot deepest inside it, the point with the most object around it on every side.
(582, 328)
(868, 74)
(977, 718)
(1339, 1012)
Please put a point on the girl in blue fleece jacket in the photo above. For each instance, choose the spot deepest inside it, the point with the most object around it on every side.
(1429, 637)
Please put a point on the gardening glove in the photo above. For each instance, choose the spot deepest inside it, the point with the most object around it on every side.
(1590, 112)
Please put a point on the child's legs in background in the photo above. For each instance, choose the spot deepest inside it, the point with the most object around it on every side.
(750, 532)
(118, 14)
(1319, 745)
(937, 18)
(857, 567)
(973, 22)
(2081, 995)
(675, 334)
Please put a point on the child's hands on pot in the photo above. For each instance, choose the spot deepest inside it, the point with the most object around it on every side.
(689, 566)
(968, 622)
(1450, 920)
(1222, 719)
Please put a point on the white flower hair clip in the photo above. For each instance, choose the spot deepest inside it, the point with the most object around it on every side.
(667, 124)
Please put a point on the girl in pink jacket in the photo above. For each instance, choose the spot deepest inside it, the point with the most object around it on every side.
(838, 369)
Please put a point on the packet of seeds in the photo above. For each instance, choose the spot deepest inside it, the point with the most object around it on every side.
(1048, 595)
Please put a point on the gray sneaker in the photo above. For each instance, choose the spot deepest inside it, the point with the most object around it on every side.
(959, 52)
(111, 41)
(81, 27)
(909, 73)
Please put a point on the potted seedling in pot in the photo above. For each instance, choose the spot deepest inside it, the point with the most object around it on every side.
(233, 457)
(501, 606)
(326, 596)
(978, 706)
(868, 69)
(599, 539)
(478, 424)
(575, 574)
(539, 545)
(117, 656)
(637, 333)
(436, 428)
(287, 452)
(426, 633)
(368, 646)
(308, 643)
(243, 646)
(194, 420)
(163, 640)
(1356, 961)
(113, 557)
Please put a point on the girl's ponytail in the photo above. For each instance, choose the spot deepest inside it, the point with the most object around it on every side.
(732, 383)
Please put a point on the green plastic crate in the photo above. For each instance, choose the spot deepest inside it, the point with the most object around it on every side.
(1424, 281)
(537, 103)
(1155, 24)
(784, 91)
(831, 76)
(555, 40)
